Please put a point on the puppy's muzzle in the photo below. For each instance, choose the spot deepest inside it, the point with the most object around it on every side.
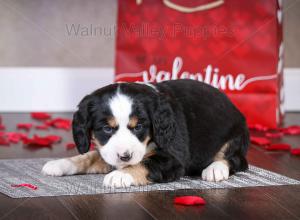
(125, 157)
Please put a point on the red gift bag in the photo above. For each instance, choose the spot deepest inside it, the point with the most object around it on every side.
(233, 45)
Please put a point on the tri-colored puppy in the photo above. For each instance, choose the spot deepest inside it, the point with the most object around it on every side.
(156, 133)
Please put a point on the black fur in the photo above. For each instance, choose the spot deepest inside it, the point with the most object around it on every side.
(81, 126)
(188, 120)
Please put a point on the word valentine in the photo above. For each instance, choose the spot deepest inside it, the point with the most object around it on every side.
(210, 76)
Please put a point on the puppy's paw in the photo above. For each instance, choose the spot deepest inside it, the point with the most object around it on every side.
(216, 171)
(118, 179)
(59, 167)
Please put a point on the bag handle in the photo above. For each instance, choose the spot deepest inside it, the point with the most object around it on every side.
(184, 9)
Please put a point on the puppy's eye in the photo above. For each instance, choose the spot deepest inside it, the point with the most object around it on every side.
(107, 129)
(138, 127)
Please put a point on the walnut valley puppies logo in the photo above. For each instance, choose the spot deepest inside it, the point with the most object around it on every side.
(148, 30)
(210, 76)
(90, 30)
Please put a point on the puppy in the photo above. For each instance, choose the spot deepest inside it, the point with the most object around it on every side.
(147, 133)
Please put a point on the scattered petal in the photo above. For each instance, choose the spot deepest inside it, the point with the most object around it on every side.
(295, 151)
(291, 130)
(92, 146)
(4, 141)
(40, 115)
(70, 146)
(280, 146)
(46, 141)
(261, 141)
(62, 123)
(15, 137)
(189, 200)
(27, 185)
(25, 126)
(54, 138)
(258, 127)
(42, 127)
(274, 135)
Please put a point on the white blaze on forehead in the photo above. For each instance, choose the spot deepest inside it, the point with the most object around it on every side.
(121, 107)
(123, 140)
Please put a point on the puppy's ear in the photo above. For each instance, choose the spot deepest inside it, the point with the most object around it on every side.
(81, 126)
(164, 124)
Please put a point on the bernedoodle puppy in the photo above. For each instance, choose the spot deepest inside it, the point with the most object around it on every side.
(147, 133)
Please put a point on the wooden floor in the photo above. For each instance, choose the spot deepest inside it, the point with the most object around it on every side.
(267, 203)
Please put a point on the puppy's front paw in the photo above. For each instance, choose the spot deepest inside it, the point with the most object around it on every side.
(216, 171)
(118, 179)
(59, 167)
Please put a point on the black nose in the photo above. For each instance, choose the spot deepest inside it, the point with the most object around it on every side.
(125, 157)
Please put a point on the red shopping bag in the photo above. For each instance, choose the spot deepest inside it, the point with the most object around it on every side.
(233, 45)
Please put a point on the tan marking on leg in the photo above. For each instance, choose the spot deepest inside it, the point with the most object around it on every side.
(90, 162)
(221, 153)
(139, 174)
(112, 122)
(133, 121)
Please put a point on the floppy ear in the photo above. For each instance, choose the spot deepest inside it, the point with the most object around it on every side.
(164, 124)
(81, 126)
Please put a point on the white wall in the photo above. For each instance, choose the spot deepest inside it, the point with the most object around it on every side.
(292, 89)
(48, 89)
(61, 89)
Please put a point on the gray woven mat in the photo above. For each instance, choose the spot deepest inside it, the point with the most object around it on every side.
(28, 171)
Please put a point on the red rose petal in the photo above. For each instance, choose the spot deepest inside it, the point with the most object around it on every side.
(274, 135)
(41, 141)
(37, 141)
(10, 137)
(291, 130)
(261, 141)
(41, 127)
(280, 146)
(92, 146)
(28, 185)
(189, 200)
(25, 126)
(54, 138)
(295, 151)
(258, 127)
(15, 137)
(70, 146)
(4, 141)
(62, 123)
(40, 115)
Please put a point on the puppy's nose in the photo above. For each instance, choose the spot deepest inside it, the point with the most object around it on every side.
(125, 156)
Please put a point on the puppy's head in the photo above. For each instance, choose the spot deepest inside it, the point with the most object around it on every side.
(116, 119)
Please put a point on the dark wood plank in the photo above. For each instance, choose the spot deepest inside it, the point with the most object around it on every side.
(250, 203)
(106, 206)
(33, 208)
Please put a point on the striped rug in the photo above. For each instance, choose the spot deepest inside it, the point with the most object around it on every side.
(28, 171)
